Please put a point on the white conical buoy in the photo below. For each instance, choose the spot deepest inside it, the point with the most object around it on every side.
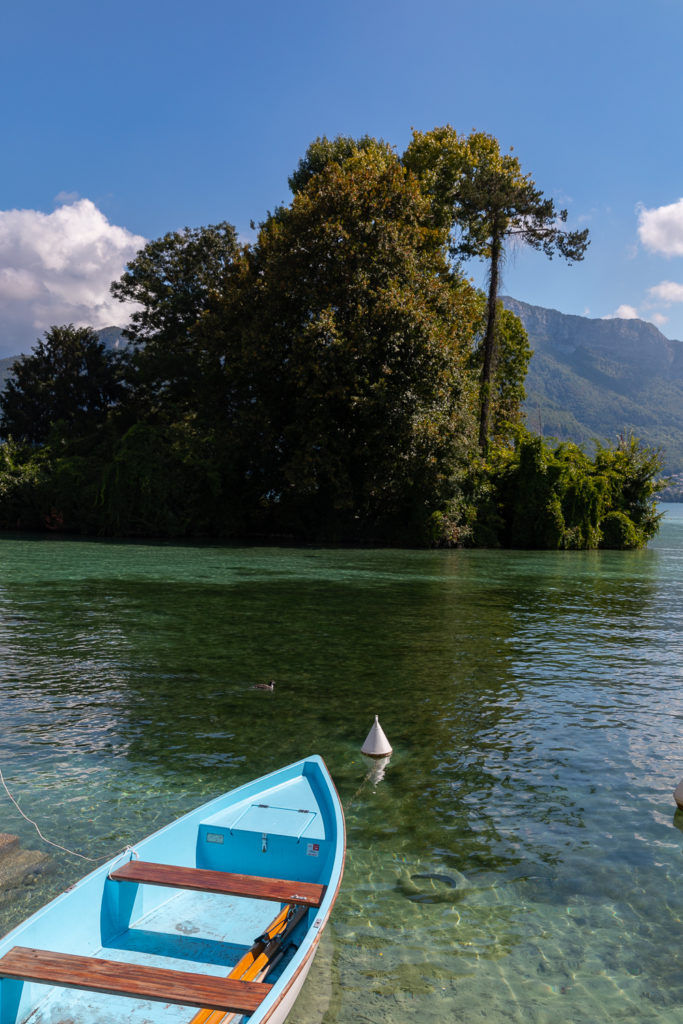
(376, 743)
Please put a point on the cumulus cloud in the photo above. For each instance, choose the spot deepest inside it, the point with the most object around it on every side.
(56, 268)
(668, 291)
(661, 229)
(624, 312)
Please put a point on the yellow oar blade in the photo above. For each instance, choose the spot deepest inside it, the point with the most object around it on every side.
(244, 968)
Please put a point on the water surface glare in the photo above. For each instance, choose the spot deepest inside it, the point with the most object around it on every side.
(520, 859)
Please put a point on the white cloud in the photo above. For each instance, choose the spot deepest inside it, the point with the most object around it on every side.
(66, 197)
(659, 319)
(624, 312)
(668, 291)
(56, 268)
(661, 229)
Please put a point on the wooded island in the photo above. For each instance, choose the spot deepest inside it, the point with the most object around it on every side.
(339, 380)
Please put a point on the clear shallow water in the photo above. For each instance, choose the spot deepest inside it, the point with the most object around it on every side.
(533, 700)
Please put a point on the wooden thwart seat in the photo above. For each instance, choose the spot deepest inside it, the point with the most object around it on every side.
(112, 976)
(282, 890)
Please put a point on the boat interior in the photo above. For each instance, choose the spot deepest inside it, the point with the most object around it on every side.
(204, 918)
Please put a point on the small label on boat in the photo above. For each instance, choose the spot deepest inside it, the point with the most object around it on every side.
(214, 837)
(312, 849)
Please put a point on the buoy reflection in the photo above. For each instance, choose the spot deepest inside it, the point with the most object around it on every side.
(377, 767)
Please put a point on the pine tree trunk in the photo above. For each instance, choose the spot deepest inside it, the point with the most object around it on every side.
(489, 365)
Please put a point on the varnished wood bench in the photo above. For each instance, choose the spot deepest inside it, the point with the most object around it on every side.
(113, 976)
(281, 890)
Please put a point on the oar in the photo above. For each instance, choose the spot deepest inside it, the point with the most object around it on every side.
(256, 963)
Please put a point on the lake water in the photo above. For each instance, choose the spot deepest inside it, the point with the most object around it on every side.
(534, 701)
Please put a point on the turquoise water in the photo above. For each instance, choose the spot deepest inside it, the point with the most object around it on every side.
(533, 700)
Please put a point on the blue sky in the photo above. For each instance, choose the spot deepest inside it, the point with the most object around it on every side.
(124, 121)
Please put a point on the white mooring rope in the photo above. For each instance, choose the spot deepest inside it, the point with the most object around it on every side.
(65, 849)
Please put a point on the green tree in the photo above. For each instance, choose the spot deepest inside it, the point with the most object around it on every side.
(70, 378)
(175, 280)
(25, 474)
(436, 159)
(507, 386)
(486, 200)
(324, 151)
(633, 472)
(159, 482)
(357, 348)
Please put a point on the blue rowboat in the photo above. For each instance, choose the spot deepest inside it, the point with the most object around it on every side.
(215, 918)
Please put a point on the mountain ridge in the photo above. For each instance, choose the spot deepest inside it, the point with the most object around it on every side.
(594, 380)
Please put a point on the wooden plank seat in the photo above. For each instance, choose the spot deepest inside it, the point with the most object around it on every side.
(281, 890)
(112, 976)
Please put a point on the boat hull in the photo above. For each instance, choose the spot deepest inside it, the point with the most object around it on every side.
(281, 1010)
(283, 833)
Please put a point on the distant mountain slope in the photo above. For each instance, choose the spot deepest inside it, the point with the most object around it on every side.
(596, 379)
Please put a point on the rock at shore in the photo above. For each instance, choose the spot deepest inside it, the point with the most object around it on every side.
(678, 795)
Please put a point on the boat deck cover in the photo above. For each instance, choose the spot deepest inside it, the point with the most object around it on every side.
(290, 809)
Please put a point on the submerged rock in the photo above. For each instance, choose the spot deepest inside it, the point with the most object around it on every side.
(19, 867)
(7, 843)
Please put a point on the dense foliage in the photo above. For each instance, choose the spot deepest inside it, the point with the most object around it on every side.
(544, 496)
(324, 383)
(360, 335)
